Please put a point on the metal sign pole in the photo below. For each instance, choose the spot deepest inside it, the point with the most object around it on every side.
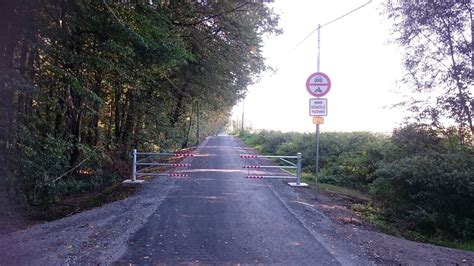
(317, 125)
(317, 157)
(319, 44)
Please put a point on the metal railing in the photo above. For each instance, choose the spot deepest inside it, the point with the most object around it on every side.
(151, 161)
(284, 159)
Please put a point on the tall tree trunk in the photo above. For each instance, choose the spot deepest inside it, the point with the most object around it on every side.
(188, 130)
(8, 42)
(198, 110)
(178, 110)
(129, 120)
(109, 127)
(461, 95)
(93, 129)
(471, 17)
(75, 116)
(117, 125)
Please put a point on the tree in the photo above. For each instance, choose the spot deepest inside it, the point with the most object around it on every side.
(86, 80)
(439, 59)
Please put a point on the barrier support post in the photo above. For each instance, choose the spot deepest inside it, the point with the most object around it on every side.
(134, 165)
(134, 171)
(298, 173)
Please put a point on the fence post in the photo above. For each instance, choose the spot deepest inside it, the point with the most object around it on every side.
(298, 169)
(298, 173)
(134, 165)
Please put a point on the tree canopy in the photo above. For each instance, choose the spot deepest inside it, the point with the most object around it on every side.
(88, 80)
(437, 37)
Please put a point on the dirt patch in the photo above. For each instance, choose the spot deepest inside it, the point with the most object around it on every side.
(380, 248)
(86, 201)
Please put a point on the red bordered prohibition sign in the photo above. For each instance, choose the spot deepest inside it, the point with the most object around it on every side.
(318, 84)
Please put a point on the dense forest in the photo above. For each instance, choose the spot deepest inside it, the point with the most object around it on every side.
(84, 82)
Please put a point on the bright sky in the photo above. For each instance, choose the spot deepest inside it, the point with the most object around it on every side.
(355, 53)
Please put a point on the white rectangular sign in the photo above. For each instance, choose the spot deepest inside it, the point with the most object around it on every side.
(318, 107)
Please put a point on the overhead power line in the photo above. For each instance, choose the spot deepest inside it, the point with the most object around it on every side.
(329, 22)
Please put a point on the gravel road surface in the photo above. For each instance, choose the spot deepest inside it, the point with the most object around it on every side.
(215, 216)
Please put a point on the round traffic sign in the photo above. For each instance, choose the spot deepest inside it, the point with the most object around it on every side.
(318, 84)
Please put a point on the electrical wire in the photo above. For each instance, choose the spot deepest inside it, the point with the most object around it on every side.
(327, 23)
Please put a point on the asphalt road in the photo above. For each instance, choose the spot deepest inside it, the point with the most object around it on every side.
(216, 216)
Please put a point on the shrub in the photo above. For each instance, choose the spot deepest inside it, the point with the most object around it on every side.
(427, 184)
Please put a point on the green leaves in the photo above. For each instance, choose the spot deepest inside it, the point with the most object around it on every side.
(438, 43)
(109, 76)
(424, 180)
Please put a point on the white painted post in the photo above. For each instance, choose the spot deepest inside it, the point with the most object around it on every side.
(133, 180)
(298, 169)
(134, 165)
(298, 173)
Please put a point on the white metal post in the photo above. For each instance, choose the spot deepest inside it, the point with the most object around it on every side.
(298, 169)
(134, 165)
(133, 180)
(317, 157)
(319, 45)
(298, 173)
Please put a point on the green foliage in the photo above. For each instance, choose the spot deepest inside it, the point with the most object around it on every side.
(427, 184)
(421, 178)
(348, 159)
(438, 60)
(86, 81)
(40, 162)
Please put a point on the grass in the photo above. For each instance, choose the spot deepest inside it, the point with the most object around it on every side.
(467, 245)
(340, 190)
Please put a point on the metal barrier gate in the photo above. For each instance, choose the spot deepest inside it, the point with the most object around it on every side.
(145, 166)
(145, 163)
(289, 165)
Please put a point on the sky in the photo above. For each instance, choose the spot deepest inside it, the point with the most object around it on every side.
(357, 55)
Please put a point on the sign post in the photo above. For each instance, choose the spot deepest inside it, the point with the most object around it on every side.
(318, 84)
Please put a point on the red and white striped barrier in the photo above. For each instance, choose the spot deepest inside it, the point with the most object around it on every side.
(275, 175)
(177, 175)
(136, 171)
(184, 154)
(248, 156)
(251, 166)
(180, 165)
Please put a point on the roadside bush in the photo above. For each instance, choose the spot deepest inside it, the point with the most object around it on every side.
(43, 172)
(38, 161)
(348, 159)
(426, 183)
(422, 179)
